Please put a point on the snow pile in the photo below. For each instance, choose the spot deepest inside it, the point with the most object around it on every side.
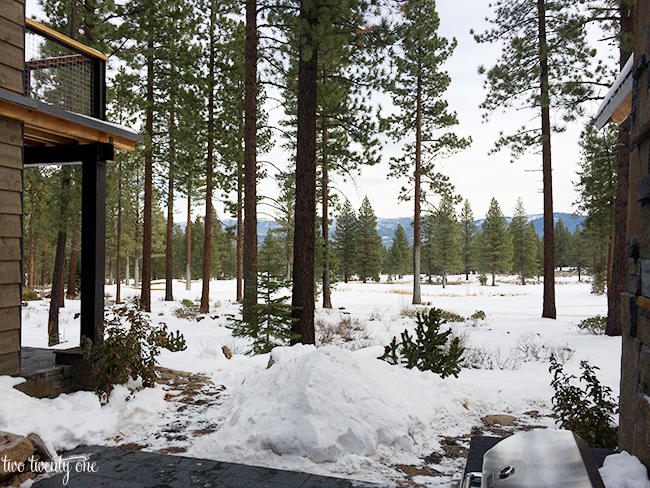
(78, 418)
(624, 471)
(329, 403)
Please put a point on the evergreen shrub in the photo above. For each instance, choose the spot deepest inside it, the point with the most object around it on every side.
(29, 294)
(452, 316)
(478, 315)
(593, 325)
(188, 310)
(588, 413)
(482, 279)
(270, 322)
(430, 350)
(128, 352)
(599, 284)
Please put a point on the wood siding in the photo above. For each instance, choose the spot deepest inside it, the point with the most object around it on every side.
(12, 41)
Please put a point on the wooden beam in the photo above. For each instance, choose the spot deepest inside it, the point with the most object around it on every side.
(56, 62)
(39, 120)
(37, 137)
(38, 156)
(65, 40)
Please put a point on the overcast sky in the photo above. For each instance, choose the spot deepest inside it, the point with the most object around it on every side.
(476, 176)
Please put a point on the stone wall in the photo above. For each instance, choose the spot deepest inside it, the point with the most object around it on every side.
(634, 431)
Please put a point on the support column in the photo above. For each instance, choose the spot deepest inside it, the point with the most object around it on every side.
(93, 245)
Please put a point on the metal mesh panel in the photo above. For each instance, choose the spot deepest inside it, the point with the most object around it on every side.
(58, 75)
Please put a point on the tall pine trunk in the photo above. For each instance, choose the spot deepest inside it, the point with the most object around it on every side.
(619, 262)
(58, 276)
(32, 255)
(305, 211)
(169, 248)
(327, 295)
(72, 276)
(145, 298)
(207, 224)
(548, 306)
(188, 242)
(250, 162)
(417, 296)
(43, 270)
(240, 235)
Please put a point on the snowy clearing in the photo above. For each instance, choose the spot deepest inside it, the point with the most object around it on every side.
(332, 410)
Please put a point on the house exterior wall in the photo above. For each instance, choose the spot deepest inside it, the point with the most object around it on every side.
(12, 40)
(634, 430)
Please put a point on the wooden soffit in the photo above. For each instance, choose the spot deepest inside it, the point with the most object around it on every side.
(46, 125)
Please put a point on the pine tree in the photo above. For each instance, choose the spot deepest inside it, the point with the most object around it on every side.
(616, 16)
(428, 254)
(271, 319)
(344, 240)
(345, 138)
(322, 25)
(446, 238)
(398, 253)
(467, 237)
(524, 243)
(494, 244)
(417, 90)
(545, 65)
(562, 245)
(249, 263)
(369, 246)
(580, 251)
(597, 186)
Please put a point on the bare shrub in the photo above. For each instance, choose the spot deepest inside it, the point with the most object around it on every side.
(376, 314)
(410, 311)
(530, 347)
(347, 332)
(485, 358)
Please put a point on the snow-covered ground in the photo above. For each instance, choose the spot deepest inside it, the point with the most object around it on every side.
(336, 409)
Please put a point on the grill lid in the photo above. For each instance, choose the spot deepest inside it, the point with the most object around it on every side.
(541, 459)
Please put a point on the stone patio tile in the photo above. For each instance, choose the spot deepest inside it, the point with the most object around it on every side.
(285, 477)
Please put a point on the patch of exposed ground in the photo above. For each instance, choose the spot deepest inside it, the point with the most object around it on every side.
(191, 397)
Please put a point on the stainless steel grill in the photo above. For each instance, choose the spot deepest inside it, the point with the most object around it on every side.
(538, 459)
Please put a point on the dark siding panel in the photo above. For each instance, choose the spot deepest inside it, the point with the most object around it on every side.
(10, 226)
(9, 296)
(14, 11)
(12, 33)
(9, 272)
(11, 132)
(9, 364)
(11, 56)
(9, 249)
(9, 318)
(11, 156)
(11, 203)
(11, 179)
(11, 79)
(9, 341)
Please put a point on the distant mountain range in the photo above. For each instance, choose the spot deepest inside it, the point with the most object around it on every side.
(386, 227)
